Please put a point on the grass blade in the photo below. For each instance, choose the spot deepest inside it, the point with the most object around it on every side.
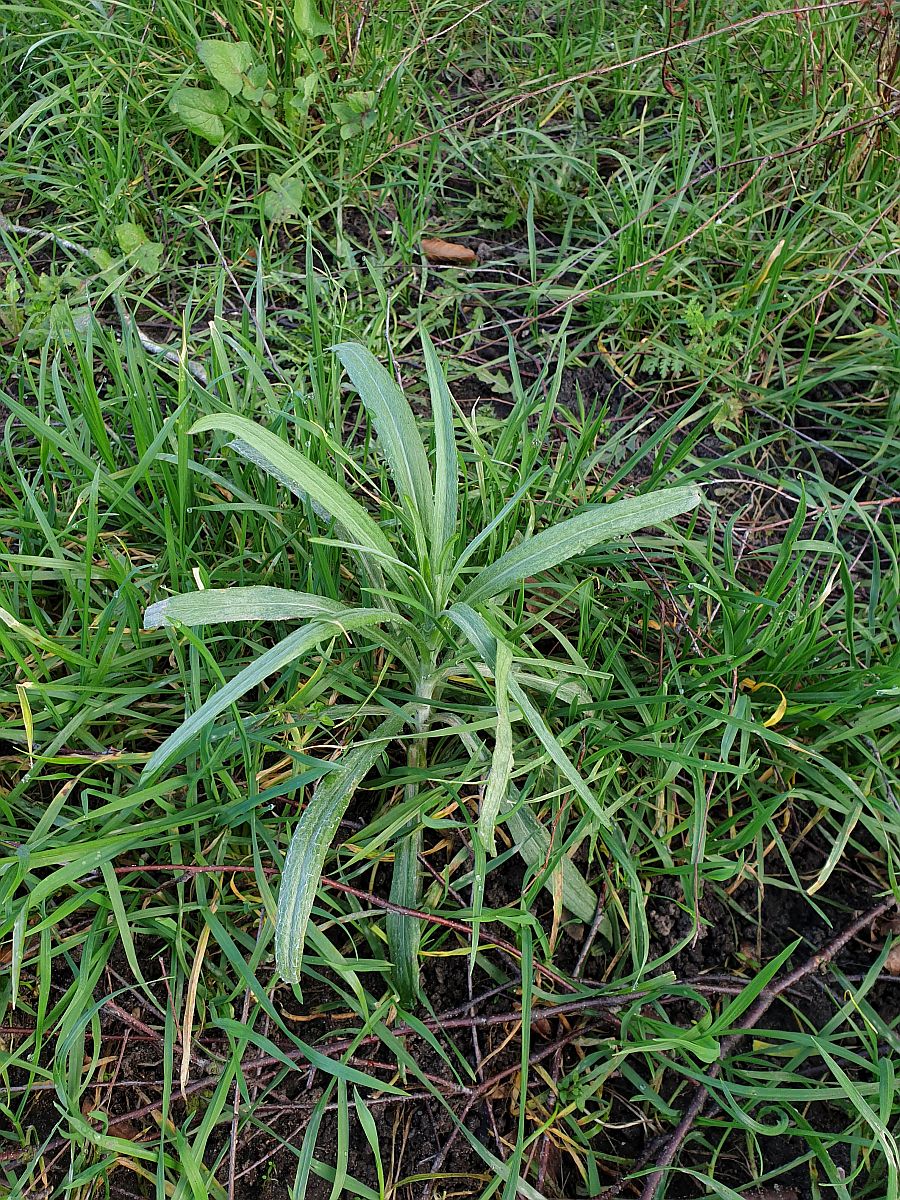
(481, 637)
(532, 840)
(370, 1130)
(880, 1133)
(534, 844)
(286, 463)
(403, 932)
(446, 458)
(502, 761)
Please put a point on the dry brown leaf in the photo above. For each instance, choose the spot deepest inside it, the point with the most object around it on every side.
(892, 962)
(437, 250)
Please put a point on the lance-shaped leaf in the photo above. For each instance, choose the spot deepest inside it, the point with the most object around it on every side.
(296, 644)
(288, 464)
(215, 605)
(446, 457)
(534, 844)
(564, 540)
(311, 840)
(480, 635)
(566, 691)
(403, 932)
(398, 435)
(502, 760)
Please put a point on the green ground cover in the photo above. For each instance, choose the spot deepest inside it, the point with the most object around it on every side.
(649, 797)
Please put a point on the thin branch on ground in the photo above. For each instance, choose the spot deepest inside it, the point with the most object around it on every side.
(751, 1018)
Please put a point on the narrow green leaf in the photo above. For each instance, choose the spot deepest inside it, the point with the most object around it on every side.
(727, 1019)
(446, 457)
(44, 644)
(476, 629)
(293, 468)
(712, 1186)
(403, 932)
(323, 1062)
(479, 633)
(502, 761)
(114, 892)
(370, 1129)
(215, 605)
(483, 535)
(532, 840)
(395, 425)
(311, 841)
(534, 844)
(879, 1130)
(479, 876)
(308, 1145)
(576, 535)
(342, 1155)
(17, 952)
(514, 1163)
(838, 846)
(296, 644)
(500, 1170)
(566, 692)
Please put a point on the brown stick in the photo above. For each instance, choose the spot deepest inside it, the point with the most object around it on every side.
(751, 1018)
(447, 923)
(369, 897)
(494, 109)
(265, 1064)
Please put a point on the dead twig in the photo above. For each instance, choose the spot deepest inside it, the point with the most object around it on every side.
(446, 922)
(498, 108)
(728, 1045)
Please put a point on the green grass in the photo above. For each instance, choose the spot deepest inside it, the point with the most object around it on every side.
(688, 274)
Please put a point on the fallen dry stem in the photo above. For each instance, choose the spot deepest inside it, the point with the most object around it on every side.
(753, 1016)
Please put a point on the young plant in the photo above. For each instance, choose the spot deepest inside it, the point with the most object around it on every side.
(438, 614)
